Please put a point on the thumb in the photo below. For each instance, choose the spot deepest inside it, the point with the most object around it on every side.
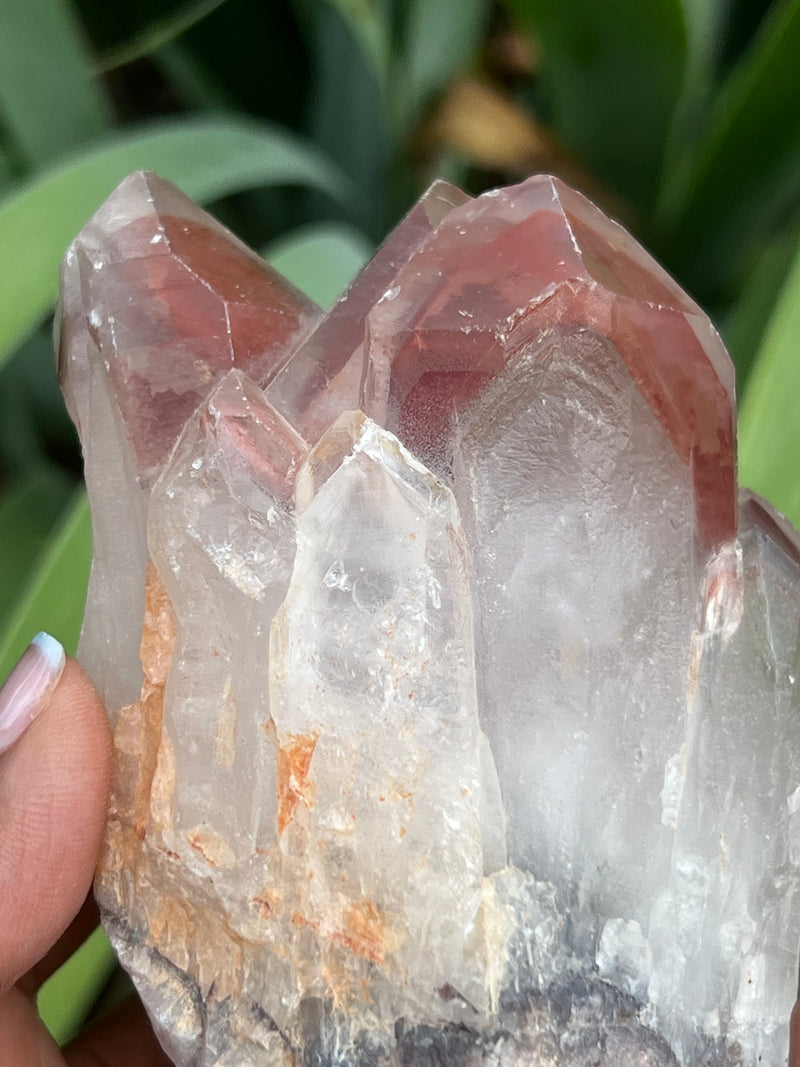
(54, 780)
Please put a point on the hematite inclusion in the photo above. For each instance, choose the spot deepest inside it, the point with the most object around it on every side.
(455, 703)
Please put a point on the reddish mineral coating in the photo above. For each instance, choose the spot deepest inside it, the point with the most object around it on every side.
(294, 787)
(501, 271)
(366, 932)
(138, 730)
(253, 436)
(323, 377)
(176, 302)
(794, 1038)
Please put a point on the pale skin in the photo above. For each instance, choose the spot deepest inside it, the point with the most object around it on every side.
(53, 797)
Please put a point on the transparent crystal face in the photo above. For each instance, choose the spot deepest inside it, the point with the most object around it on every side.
(455, 694)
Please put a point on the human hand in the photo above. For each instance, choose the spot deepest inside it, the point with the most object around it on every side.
(55, 762)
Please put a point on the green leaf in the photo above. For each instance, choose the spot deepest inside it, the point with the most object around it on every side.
(347, 118)
(26, 513)
(191, 80)
(746, 171)
(704, 21)
(612, 74)
(54, 596)
(769, 428)
(207, 158)
(35, 428)
(321, 259)
(746, 324)
(69, 995)
(6, 170)
(367, 21)
(440, 41)
(48, 99)
(157, 34)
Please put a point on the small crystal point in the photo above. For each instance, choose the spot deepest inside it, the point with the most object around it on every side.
(221, 536)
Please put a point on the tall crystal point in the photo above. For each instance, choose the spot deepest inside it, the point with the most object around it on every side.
(158, 301)
(455, 691)
(373, 684)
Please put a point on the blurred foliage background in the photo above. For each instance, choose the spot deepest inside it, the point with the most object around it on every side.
(310, 126)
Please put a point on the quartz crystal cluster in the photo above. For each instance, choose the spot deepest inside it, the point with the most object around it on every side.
(454, 691)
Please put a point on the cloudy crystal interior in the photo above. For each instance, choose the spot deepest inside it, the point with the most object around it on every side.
(454, 690)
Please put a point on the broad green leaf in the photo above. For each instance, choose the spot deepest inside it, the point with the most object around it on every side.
(612, 74)
(769, 426)
(207, 158)
(367, 21)
(34, 425)
(69, 995)
(191, 80)
(321, 259)
(348, 118)
(440, 41)
(746, 171)
(54, 596)
(26, 513)
(6, 174)
(157, 34)
(48, 99)
(745, 326)
(704, 22)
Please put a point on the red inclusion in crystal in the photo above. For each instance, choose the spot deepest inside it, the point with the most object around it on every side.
(319, 381)
(172, 302)
(253, 436)
(502, 271)
(203, 308)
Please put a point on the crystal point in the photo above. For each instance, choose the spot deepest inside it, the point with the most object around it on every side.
(443, 331)
(158, 301)
(455, 692)
(373, 647)
(326, 372)
(172, 300)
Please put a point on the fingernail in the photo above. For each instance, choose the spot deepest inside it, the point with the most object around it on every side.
(28, 688)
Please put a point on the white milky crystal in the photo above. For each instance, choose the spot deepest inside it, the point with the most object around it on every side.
(115, 599)
(727, 929)
(579, 521)
(373, 670)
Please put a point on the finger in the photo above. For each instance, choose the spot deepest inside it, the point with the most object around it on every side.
(24, 1042)
(123, 1036)
(71, 940)
(54, 783)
